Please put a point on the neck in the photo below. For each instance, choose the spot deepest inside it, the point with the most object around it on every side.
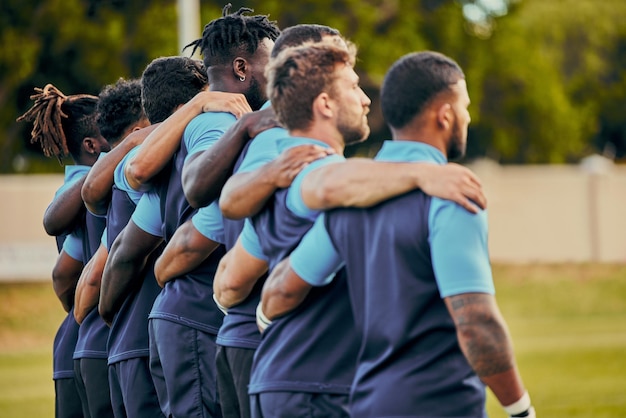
(326, 135)
(420, 135)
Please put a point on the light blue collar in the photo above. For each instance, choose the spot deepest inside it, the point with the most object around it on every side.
(294, 141)
(410, 151)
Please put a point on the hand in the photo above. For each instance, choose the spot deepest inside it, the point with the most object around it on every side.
(453, 182)
(530, 413)
(218, 101)
(262, 321)
(288, 164)
(259, 121)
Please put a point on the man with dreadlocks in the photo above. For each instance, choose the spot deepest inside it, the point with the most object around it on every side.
(66, 125)
(183, 326)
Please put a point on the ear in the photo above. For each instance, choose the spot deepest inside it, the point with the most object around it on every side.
(323, 106)
(240, 68)
(445, 118)
(90, 145)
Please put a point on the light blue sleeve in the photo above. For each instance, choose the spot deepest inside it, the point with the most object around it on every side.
(147, 214)
(294, 195)
(205, 129)
(119, 178)
(262, 150)
(250, 241)
(315, 259)
(208, 221)
(459, 249)
(73, 246)
(73, 173)
(103, 239)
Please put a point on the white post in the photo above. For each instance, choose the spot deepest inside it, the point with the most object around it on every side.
(188, 24)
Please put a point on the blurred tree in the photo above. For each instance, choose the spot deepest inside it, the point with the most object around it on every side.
(547, 78)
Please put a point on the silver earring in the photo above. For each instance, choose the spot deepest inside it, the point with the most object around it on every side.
(242, 79)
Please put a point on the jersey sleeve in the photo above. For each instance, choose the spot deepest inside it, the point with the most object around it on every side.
(73, 246)
(295, 203)
(208, 221)
(262, 150)
(205, 129)
(315, 259)
(459, 250)
(250, 241)
(147, 214)
(120, 181)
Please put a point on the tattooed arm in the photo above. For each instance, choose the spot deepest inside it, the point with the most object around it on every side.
(485, 342)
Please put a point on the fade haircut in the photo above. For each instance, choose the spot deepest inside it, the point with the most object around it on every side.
(413, 82)
(299, 34)
(233, 35)
(299, 74)
(168, 82)
(119, 107)
(60, 122)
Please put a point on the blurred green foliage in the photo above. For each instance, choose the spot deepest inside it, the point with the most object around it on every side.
(547, 78)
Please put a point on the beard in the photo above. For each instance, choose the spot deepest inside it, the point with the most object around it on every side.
(256, 94)
(457, 142)
(353, 130)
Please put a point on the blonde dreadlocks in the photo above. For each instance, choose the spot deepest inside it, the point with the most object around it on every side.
(60, 121)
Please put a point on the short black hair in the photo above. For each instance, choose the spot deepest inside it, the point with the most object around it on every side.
(299, 34)
(168, 82)
(119, 107)
(233, 34)
(412, 82)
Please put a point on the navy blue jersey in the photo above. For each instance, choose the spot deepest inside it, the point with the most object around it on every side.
(314, 348)
(93, 332)
(239, 327)
(128, 337)
(186, 300)
(410, 338)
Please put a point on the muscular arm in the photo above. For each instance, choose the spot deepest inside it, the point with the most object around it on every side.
(163, 142)
(363, 182)
(236, 276)
(283, 291)
(96, 191)
(88, 288)
(123, 269)
(64, 278)
(184, 252)
(485, 342)
(206, 172)
(244, 194)
(65, 210)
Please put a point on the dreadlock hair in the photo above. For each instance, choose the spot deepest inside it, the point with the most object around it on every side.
(233, 34)
(413, 82)
(299, 34)
(168, 82)
(299, 74)
(119, 108)
(60, 122)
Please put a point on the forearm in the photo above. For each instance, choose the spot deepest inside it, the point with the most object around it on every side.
(96, 191)
(283, 291)
(85, 301)
(175, 262)
(245, 194)
(357, 182)
(65, 211)
(118, 279)
(204, 176)
(487, 346)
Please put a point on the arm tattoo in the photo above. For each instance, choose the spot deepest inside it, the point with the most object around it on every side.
(482, 333)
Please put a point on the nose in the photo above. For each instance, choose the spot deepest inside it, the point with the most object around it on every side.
(365, 99)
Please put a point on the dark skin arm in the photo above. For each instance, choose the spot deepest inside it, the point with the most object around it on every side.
(65, 211)
(88, 287)
(65, 275)
(123, 269)
(206, 172)
(96, 190)
(484, 339)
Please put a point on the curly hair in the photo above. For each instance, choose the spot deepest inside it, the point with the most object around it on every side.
(119, 107)
(61, 122)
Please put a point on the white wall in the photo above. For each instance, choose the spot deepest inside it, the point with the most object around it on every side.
(536, 214)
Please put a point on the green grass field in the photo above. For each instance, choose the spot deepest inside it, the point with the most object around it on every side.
(568, 324)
